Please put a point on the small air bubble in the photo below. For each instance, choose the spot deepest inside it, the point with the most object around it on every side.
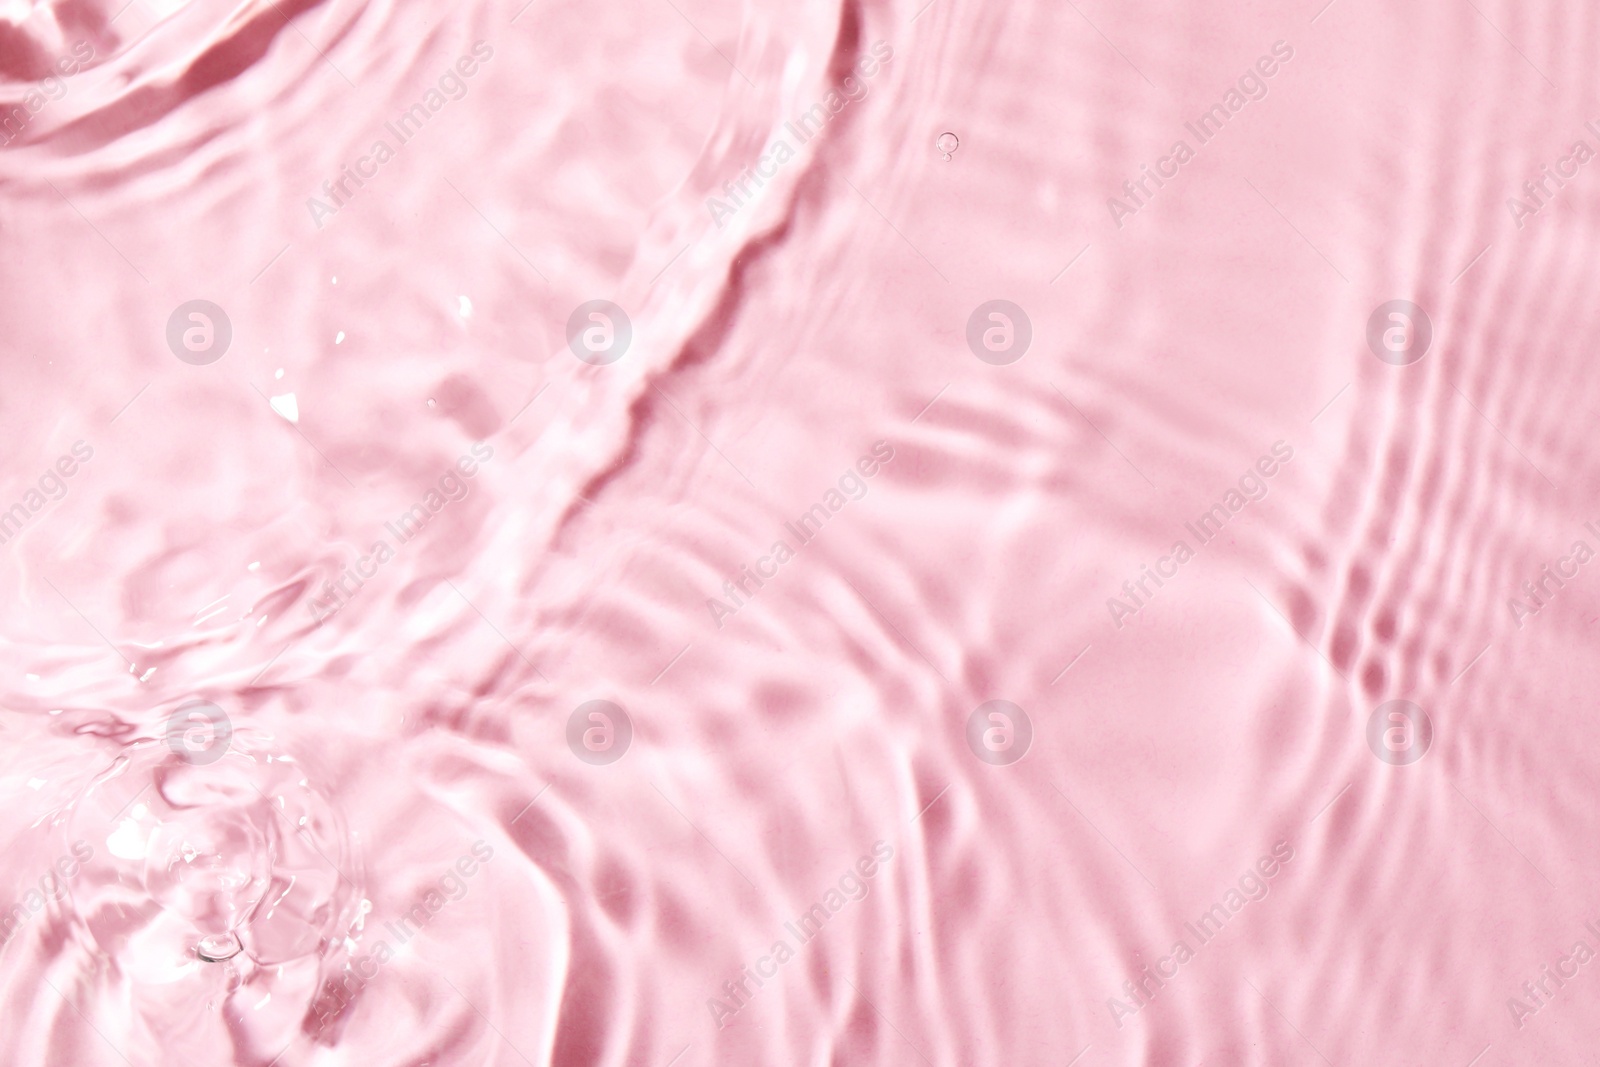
(218, 948)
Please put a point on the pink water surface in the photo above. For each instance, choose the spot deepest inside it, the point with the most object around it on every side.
(838, 533)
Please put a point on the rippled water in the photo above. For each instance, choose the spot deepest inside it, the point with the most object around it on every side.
(680, 533)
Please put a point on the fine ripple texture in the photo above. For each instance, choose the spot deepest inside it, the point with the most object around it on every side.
(850, 532)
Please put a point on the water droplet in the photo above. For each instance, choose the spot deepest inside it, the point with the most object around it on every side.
(239, 858)
(947, 144)
(218, 947)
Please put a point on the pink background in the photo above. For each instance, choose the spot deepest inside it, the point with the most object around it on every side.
(778, 739)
